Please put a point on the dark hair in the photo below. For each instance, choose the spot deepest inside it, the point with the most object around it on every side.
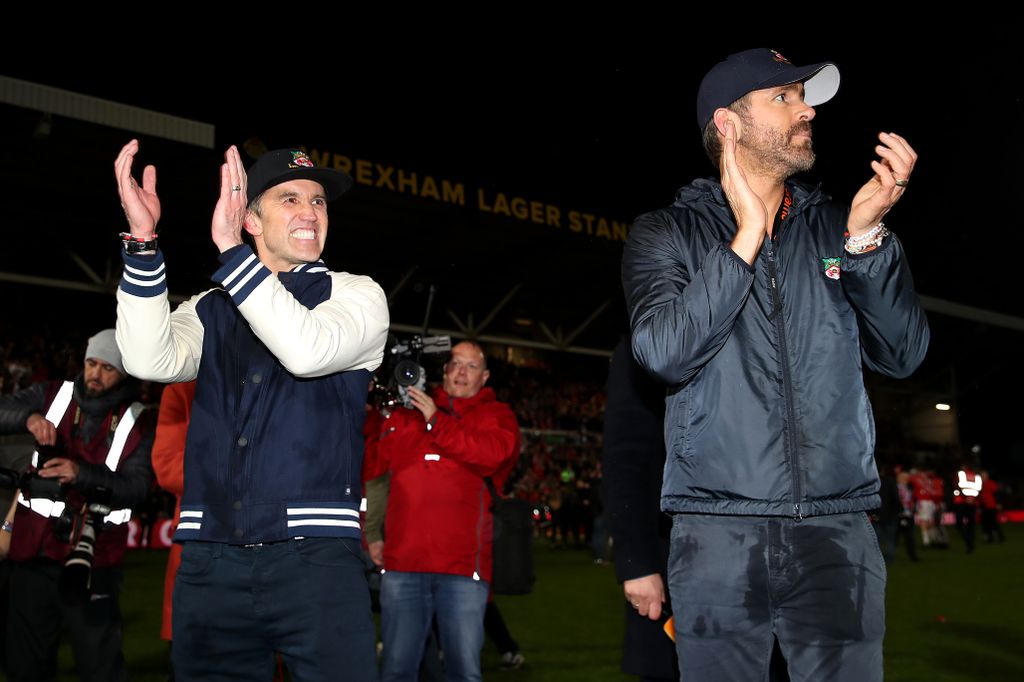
(256, 205)
(712, 138)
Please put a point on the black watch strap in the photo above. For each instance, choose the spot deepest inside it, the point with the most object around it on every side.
(135, 245)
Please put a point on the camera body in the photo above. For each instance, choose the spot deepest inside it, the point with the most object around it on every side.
(405, 365)
(79, 523)
(31, 483)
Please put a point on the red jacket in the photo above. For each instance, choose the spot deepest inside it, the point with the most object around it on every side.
(988, 495)
(169, 465)
(439, 509)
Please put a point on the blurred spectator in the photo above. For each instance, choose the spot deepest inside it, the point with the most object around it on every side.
(965, 503)
(634, 456)
(990, 508)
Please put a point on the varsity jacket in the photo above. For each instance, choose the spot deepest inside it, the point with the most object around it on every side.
(274, 447)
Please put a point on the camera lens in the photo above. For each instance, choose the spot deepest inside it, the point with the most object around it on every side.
(407, 373)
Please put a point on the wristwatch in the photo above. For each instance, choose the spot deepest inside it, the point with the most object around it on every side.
(136, 245)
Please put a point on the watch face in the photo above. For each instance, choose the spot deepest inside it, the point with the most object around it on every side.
(134, 246)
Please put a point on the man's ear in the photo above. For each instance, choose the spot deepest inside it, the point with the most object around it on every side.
(487, 375)
(722, 115)
(252, 224)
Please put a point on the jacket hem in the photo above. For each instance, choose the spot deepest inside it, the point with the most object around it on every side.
(679, 504)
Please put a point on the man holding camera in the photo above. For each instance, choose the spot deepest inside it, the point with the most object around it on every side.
(98, 441)
(438, 528)
(282, 354)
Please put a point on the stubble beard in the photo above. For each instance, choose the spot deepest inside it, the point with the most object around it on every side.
(774, 154)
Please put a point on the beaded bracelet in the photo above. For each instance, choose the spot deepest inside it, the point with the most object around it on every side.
(869, 241)
(8, 526)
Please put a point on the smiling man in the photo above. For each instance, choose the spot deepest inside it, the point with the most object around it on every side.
(282, 354)
(757, 300)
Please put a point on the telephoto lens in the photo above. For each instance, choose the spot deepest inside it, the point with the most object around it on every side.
(75, 576)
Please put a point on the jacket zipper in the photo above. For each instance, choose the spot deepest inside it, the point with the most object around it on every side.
(787, 379)
(480, 534)
(481, 515)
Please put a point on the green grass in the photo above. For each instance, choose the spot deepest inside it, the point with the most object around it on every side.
(951, 618)
(956, 617)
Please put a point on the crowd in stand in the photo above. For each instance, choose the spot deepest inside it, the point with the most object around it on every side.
(559, 471)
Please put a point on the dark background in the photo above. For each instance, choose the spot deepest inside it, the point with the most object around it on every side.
(606, 131)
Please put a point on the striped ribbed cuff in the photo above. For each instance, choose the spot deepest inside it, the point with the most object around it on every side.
(190, 524)
(240, 272)
(143, 275)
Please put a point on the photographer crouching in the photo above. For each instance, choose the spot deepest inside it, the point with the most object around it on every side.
(70, 529)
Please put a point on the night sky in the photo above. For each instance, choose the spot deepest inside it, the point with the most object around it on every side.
(609, 133)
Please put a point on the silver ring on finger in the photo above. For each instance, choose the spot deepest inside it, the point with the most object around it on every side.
(238, 188)
(902, 182)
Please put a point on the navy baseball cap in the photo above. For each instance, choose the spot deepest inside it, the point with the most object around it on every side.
(282, 165)
(760, 68)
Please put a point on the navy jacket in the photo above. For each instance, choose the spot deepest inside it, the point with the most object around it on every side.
(275, 446)
(766, 411)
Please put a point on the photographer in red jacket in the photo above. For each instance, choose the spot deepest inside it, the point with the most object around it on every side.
(438, 532)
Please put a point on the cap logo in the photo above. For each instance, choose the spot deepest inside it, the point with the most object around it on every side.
(299, 158)
(779, 58)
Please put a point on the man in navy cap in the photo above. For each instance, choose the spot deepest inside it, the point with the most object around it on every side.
(282, 353)
(758, 301)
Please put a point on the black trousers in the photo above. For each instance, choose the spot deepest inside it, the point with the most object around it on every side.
(965, 514)
(34, 619)
(497, 631)
(990, 524)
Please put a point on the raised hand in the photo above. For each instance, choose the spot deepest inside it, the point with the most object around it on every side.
(140, 203)
(229, 214)
(748, 209)
(422, 402)
(884, 189)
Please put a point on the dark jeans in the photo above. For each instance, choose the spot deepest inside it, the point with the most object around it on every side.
(34, 622)
(817, 585)
(307, 599)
